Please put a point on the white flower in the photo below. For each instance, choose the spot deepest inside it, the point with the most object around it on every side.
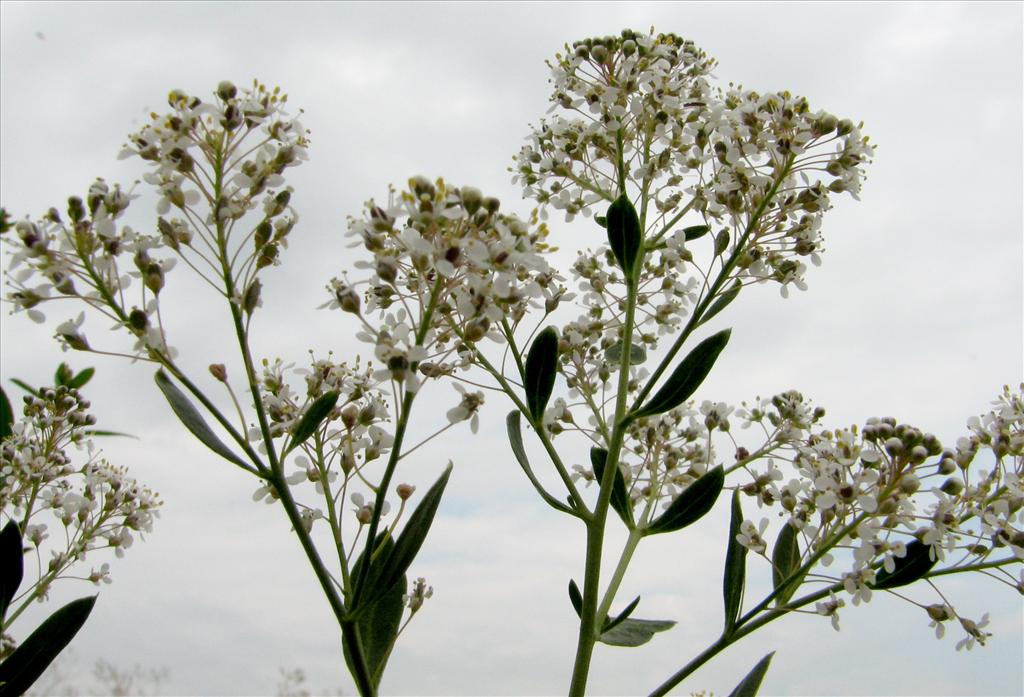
(752, 537)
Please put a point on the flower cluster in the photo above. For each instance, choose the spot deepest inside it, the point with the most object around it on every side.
(213, 163)
(96, 504)
(637, 112)
(871, 493)
(448, 270)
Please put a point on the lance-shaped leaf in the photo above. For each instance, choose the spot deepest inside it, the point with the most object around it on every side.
(734, 578)
(83, 377)
(695, 232)
(721, 302)
(63, 375)
(637, 353)
(624, 234)
(408, 544)
(513, 424)
(622, 631)
(193, 420)
(634, 632)
(6, 415)
(620, 499)
(311, 420)
(691, 505)
(749, 685)
(34, 655)
(622, 616)
(379, 622)
(687, 376)
(25, 386)
(541, 366)
(12, 565)
(909, 568)
(785, 561)
(576, 598)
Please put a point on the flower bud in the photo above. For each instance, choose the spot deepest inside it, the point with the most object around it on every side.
(471, 199)
(422, 187)
(910, 483)
(918, 454)
(947, 465)
(893, 446)
(226, 90)
(405, 491)
(952, 486)
(218, 371)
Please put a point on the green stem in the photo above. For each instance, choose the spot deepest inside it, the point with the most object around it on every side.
(350, 636)
(635, 535)
(396, 450)
(589, 619)
(723, 276)
(702, 658)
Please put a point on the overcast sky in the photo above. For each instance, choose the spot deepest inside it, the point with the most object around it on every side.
(916, 312)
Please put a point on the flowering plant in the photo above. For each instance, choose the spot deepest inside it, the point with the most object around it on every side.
(96, 504)
(701, 192)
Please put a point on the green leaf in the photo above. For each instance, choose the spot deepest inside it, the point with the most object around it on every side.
(721, 302)
(909, 568)
(25, 386)
(379, 621)
(749, 685)
(6, 415)
(601, 220)
(513, 424)
(63, 376)
(734, 578)
(622, 616)
(634, 632)
(82, 378)
(576, 598)
(31, 658)
(110, 433)
(621, 631)
(311, 420)
(687, 376)
(541, 366)
(785, 561)
(637, 354)
(620, 499)
(695, 232)
(192, 419)
(624, 235)
(12, 565)
(691, 505)
(408, 544)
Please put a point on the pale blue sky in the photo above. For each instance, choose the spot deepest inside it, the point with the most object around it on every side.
(916, 312)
